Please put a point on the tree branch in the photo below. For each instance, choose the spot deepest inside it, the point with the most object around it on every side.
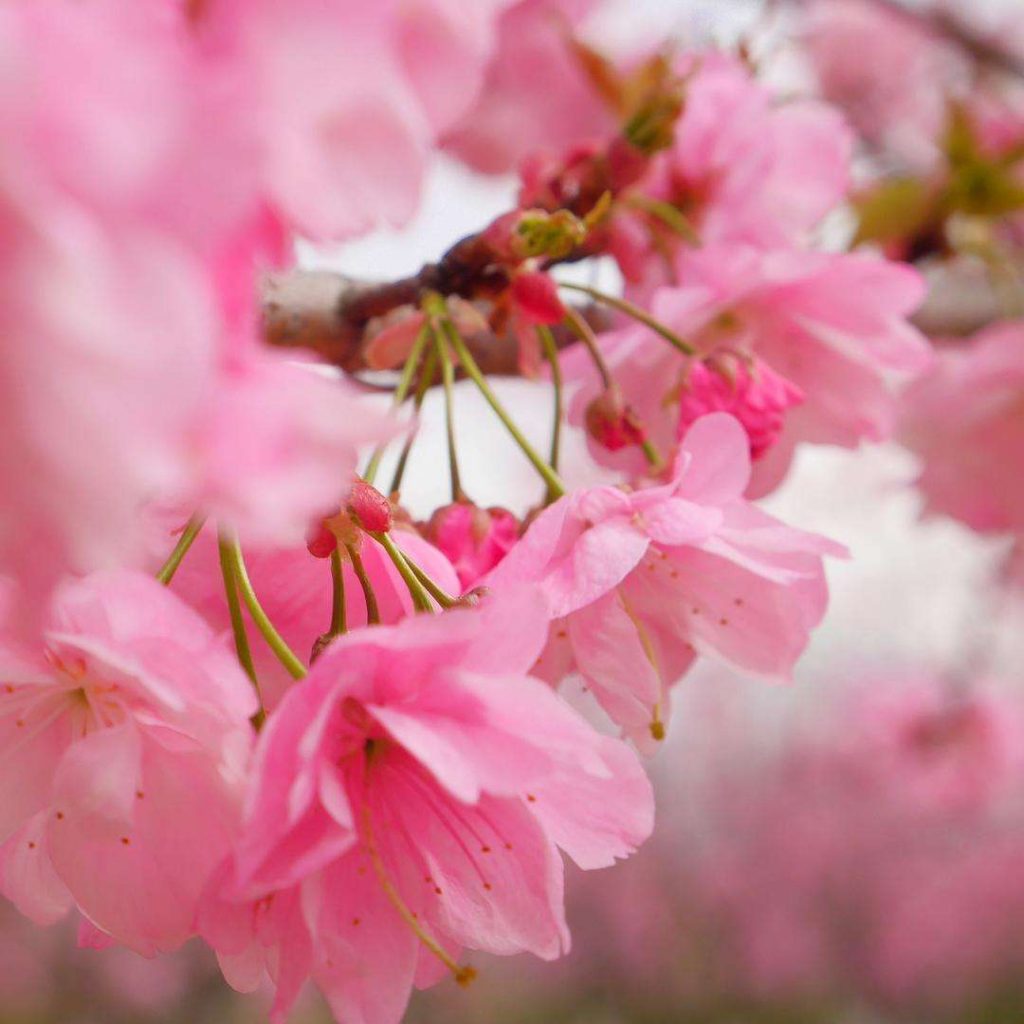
(327, 313)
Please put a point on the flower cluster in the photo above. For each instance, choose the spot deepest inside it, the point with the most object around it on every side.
(246, 695)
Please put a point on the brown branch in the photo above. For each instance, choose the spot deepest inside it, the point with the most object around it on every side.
(327, 313)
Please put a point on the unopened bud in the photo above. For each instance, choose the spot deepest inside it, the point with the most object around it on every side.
(551, 235)
(536, 298)
(745, 387)
(320, 541)
(370, 509)
(529, 234)
(612, 423)
(474, 539)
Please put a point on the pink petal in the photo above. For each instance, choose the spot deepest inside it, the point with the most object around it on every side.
(597, 819)
(718, 469)
(367, 953)
(611, 656)
(500, 877)
(143, 886)
(27, 877)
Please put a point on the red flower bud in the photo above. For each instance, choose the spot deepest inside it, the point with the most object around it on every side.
(612, 423)
(474, 539)
(370, 509)
(536, 298)
(320, 542)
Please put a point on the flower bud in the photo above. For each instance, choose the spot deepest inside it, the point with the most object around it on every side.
(474, 539)
(611, 422)
(536, 298)
(743, 386)
(369, 508)
(529, 234)
(320, 541)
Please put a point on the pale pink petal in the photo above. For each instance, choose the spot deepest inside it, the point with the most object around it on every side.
(367, 954)
(27, 877)
(500, 877)
(143, 886)
(610, 654)
(717, 460)
(597, 819)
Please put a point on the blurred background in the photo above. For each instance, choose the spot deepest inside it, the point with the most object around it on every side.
(846, 849)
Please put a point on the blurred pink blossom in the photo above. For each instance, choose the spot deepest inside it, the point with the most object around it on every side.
(126, 743)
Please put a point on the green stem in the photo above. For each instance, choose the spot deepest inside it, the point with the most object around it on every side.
(420, 597)
(227, 572)
(635, 312)
(547, 340)
(651, 453)
(401, 391)
(274, 639)
(188, 535)
(372, 611)
(669, 215)
(448, 379)
(338, 623)
(444, 599)
(426, 377)
(551, 478)
(582, 330)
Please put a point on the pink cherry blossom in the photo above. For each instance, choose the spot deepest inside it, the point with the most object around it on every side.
(963, 419)
(891, 75)
(641, 582)
(131, 367)
(126, 739)
(474, 539)
(747, 388)
(295, 590)
(344, 101)
(802, 315)
(819, 862)
(536, 95)
(408, 796)
(747, 168)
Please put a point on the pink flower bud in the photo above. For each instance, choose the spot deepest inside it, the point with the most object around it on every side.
(535, 296)
(474, 539)
(745, 387)
(370, 509)
(612, 423)
(320, 542)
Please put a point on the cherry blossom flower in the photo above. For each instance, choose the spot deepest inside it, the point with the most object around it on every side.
(536, 95)
(131, 366)
(408, 796)
(747, 388)
(125, 744)
(802, 315)
(963, 419)
(640, 582)
(891, 75)
(746, 168)
(474, 539)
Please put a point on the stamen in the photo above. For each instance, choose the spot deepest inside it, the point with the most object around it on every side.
(657, 726)
(463, 974)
